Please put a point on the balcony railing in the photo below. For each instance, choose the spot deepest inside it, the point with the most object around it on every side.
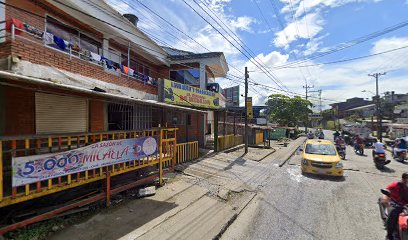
(72, 52)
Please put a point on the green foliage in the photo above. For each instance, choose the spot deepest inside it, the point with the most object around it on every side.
(288, 111)
(328, 114)
(330, 125)
(353, 118)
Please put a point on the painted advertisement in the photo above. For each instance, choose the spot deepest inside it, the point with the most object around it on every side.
(35, 168)
(250, 113)
(185, 95)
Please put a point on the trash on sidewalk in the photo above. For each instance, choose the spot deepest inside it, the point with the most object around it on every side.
(148, 191)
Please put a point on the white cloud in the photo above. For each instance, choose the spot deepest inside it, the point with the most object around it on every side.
(307, 27)
(243, 23)
(339, 81)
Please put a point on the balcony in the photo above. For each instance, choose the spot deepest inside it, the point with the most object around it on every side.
(30, 44)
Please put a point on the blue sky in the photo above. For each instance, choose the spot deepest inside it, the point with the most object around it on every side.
(310, 27)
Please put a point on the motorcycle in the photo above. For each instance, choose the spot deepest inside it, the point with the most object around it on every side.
(380, 160)
(310, 136)
(321, 135)
(341, 149)
(400, 156)
(385, 203)
(359, 149)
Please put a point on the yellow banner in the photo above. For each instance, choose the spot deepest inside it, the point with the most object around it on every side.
(185, 95)
(250, 113)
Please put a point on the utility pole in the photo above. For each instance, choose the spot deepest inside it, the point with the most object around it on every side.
(246, 111)
(378, 104)
(320, 100)
(307, 96)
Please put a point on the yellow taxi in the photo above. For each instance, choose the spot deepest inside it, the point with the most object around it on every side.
(321, 157)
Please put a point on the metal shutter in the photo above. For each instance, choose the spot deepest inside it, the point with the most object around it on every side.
(60, 114)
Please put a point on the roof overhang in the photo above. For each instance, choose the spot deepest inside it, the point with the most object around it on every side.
(113, 25)
(216, 62)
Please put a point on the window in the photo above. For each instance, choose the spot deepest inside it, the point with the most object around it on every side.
(176, 118)
(90, 44)
(73, 36)
(190, 76)
(129, 117)
(320, 149)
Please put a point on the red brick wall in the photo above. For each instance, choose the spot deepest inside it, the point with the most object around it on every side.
(189, 133)
(96, 116)
(39, 54)
(42, 55)
(19, 111)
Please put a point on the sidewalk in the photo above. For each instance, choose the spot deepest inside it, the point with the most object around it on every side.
(199, 203)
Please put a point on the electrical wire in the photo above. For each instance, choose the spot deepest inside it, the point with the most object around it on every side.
(228, 40)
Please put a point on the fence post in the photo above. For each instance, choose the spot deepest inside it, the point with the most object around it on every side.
(161, 158)
(173, 162)
(216, 149)
(108, 187)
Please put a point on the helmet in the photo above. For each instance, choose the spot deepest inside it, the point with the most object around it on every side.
(405, 175)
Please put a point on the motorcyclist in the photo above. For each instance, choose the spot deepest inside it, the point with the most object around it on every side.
(399, 198)
(310, 135)
(321, 135)
(336, 134)
(378, 148)
(339, 141)
(358, 141)
(399, 146)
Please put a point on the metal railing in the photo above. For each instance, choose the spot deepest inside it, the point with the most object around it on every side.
(80, 55)
(27, 146)
(186, 152)
(228, 141)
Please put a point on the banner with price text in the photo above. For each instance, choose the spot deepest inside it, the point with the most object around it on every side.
(36, 168)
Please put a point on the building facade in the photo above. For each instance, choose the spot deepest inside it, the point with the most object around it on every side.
(80, 66)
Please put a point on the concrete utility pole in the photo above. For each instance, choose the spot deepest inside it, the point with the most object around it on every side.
(320, 100)
(307, 96)
(378, 104)
(246, 110)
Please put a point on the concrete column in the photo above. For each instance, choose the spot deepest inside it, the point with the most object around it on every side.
(105, 46)
(203, 81)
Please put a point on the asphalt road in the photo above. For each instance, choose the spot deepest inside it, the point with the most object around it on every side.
(293, 206)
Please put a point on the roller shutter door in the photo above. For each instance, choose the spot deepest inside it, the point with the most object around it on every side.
(60, 114)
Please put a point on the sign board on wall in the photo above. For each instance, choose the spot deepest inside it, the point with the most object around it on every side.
(250, 113)
(36, 168)
(185, 95)
(261, 121)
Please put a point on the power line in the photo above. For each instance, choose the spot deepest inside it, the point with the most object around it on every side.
(254, 61)
(344, 60)
(351, 43)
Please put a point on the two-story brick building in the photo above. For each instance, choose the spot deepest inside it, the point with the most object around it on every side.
(80, 66)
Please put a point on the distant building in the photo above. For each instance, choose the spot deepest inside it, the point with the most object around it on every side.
(391, 97)
(232, 96)
(350, 103)
(362, 111)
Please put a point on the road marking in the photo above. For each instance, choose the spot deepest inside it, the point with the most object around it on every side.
(295, 174)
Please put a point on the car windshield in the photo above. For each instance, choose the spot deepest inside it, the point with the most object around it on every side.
(321, 149)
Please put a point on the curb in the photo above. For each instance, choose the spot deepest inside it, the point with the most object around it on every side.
(291, 154)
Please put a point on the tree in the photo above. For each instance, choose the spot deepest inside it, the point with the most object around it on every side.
(288, 111)
(353, 118)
